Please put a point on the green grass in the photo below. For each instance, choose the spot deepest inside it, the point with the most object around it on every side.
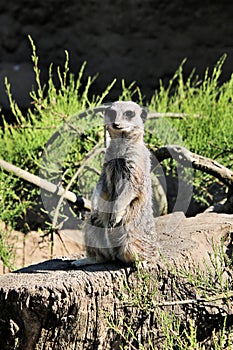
(207, 130)
(211, 134)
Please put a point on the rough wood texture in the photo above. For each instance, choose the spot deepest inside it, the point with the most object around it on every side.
(52, 306)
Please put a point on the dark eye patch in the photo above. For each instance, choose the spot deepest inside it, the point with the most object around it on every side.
(111, 114)
(129, 114)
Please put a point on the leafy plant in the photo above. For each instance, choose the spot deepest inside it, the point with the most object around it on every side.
(204, 125)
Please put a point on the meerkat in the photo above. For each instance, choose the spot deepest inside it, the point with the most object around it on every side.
(121, 223)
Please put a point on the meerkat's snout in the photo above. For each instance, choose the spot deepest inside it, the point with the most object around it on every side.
(116, 126)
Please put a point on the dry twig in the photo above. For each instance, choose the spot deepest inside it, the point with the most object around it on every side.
(44, 184)
(187, 158)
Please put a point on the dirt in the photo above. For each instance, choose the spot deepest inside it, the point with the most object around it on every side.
(33, 247)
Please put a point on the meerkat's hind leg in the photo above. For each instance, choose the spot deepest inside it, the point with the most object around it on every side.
(87, 261)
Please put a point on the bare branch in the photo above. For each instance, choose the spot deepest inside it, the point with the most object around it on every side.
(187, 158)
(222, 296)
(44, 184)
(155, 115)
(209, 300)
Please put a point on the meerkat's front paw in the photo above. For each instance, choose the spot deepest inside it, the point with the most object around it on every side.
(116, 218)
(112, 221)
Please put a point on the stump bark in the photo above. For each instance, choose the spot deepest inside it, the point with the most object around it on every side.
(53, 306)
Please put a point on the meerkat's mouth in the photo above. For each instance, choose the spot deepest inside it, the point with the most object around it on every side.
(118, 127)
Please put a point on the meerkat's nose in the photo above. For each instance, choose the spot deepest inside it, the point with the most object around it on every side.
(116, 125)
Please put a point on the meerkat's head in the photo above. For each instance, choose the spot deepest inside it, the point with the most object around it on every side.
(125, 119)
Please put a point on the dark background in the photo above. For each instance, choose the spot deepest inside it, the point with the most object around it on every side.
(142, 41)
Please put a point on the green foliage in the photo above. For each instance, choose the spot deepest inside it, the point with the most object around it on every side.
(22, 143)
(206, 126)
(7, 252)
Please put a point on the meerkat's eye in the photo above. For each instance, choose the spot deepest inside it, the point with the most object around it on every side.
(111, 114)
(129, 114)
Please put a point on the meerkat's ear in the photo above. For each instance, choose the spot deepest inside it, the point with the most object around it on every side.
(144, 114)
(107, 105)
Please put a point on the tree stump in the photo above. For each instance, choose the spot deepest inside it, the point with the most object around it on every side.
(51, 305)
